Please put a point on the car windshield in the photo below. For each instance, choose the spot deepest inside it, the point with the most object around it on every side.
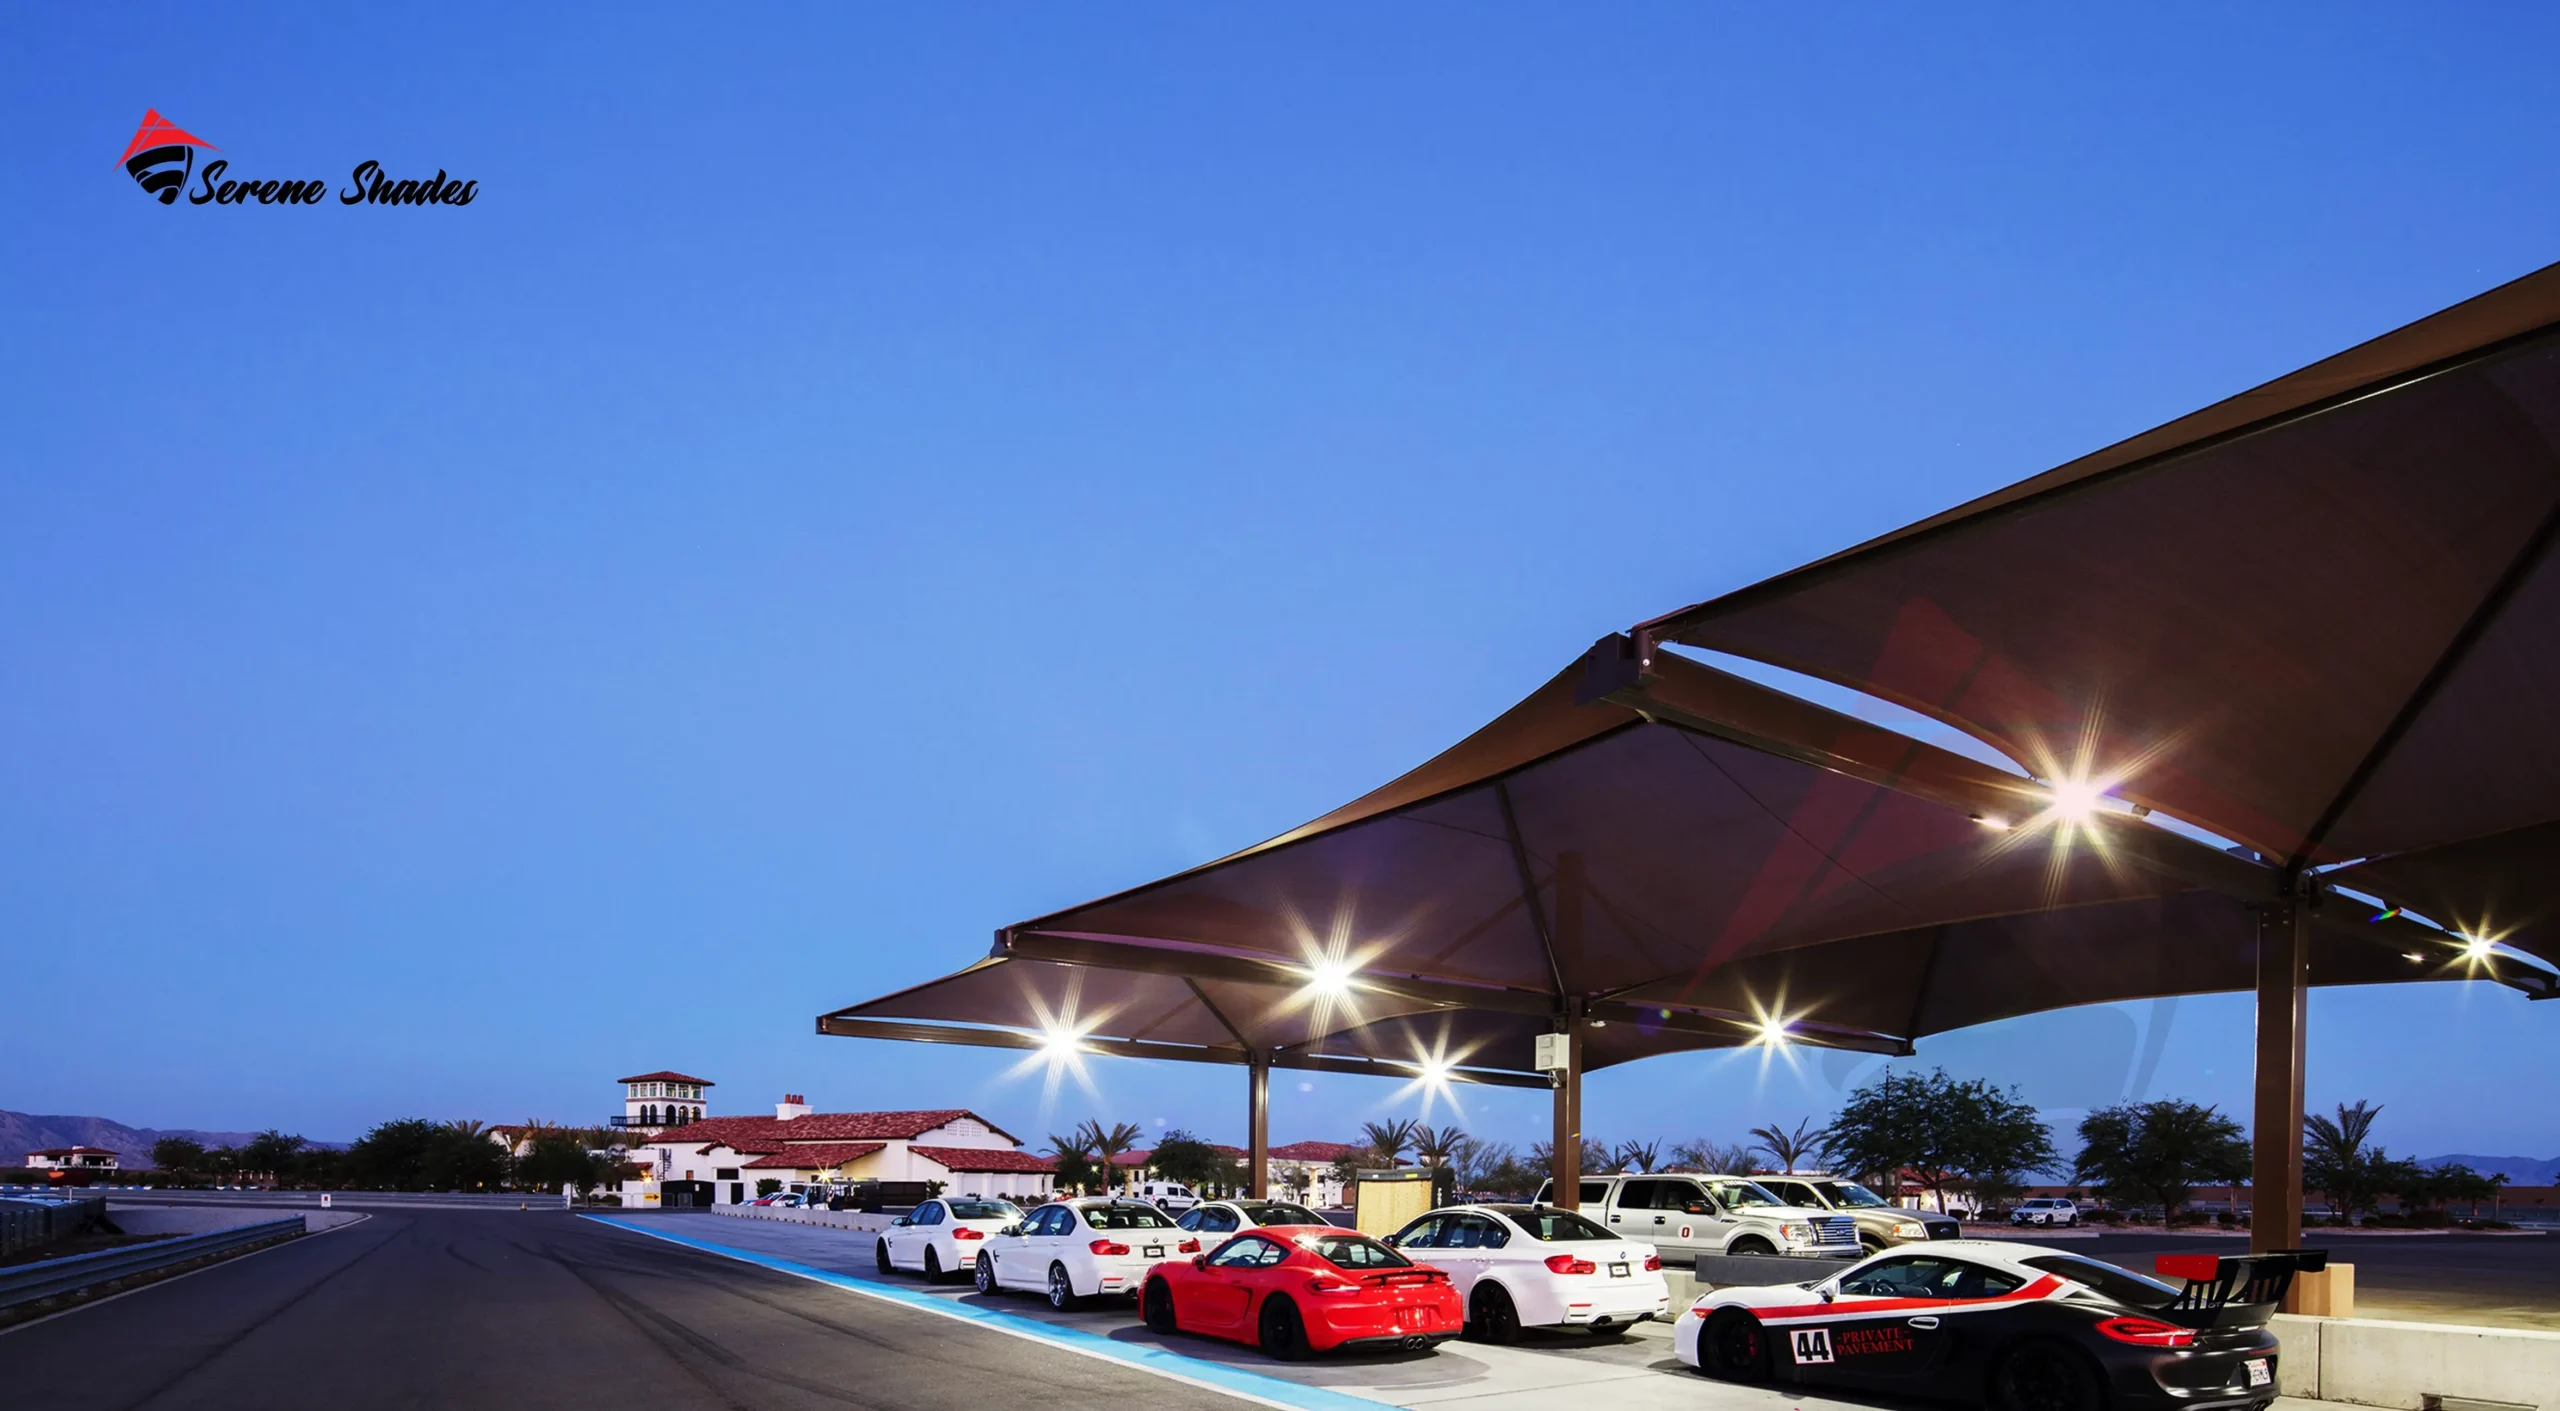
(1126, 1217)
(983, 1210)
(1348, 1251)
(1744, 1194)
(1543, 1224)
(1279, 1213)
(2121, 1285)
(1848, 1194)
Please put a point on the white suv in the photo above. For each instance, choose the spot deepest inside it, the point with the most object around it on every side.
(1690, 1214)
(2045, 1210)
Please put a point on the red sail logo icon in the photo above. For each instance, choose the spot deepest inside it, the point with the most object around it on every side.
(161, 155)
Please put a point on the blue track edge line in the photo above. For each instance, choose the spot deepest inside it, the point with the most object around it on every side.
(1217, 1376)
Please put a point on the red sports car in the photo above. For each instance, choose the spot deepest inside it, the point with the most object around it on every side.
(1297, 1289)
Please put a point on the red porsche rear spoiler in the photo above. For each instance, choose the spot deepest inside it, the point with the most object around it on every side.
(1419, 1274)
(2234, 1290)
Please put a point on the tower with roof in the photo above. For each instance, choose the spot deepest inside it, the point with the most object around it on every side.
(652, 1102)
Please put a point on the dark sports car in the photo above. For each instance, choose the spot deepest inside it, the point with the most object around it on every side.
(2021, 1327)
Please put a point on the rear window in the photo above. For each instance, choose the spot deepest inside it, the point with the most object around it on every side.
(1353, 1252)
(1545, 1224)
(1126, 1217)
(983, 1210)
(2122, 1285)
(1278, 1213)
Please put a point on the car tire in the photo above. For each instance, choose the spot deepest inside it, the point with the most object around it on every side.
(2071, 1223)
(2043, 1375)
(881, 1249)
(1751, 1244)
(1491, 1316)
(986, 1273)
(1062, 1290)
(1283, 1333)
(1872, 1244)
(932, 1266)
(1156, 1306)
(1733, 1347)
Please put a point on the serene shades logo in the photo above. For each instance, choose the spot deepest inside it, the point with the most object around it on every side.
(162, 158)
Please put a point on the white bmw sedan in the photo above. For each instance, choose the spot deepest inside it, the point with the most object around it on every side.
(1525, 1266)
(1214, 1220)
(943, 1237)
(1073, 1250)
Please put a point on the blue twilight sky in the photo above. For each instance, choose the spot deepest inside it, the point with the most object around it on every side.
(850, 482)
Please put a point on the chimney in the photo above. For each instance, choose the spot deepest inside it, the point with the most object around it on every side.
(792, 1105)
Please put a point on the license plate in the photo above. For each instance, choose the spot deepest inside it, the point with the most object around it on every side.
(1155, 1251)
(1617, 1271)
(2258, 1372)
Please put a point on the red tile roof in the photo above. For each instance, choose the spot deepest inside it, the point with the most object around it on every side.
(1316, 1151)
(770, 1134)
(963, 1158)
(814, 1156)
(664, 1076)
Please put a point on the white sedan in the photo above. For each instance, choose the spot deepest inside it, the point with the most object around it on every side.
(943, 1237)
(1212, 1220)
(1538, 1267)
(1073, 1250)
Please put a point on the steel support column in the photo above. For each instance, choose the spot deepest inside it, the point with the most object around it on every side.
(1258, 1127)
(2284, 985)
(1564, 1165)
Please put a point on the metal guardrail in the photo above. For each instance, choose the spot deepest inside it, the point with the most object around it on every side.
(49, 1277)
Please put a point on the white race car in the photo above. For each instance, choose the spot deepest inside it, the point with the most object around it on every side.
(1073, 1250)
(2017, 1326)
(943, 1237)
(1538, 1267)
(1212, 1220)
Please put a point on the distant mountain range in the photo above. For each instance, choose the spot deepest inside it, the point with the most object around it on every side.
(2519, 1170)
(23, 1132)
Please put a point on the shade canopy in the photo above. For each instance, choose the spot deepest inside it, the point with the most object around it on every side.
(1701, 862)
(2321, 619)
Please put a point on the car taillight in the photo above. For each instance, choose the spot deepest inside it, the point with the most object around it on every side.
(1107, 1247)
(1187, 1247)
(1321, 1284)
(965, 1233)
(1653, 1263)
(2147, 1332)
(1567, 1264)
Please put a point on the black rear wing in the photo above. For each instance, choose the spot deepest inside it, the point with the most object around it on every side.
(2235, 1290)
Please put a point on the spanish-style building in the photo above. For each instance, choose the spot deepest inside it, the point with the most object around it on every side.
(651, 1101)
(74, 1158)
(963, 1151)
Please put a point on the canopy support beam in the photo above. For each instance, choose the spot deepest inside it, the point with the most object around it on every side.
(2275, 1154)
(1257, 1123)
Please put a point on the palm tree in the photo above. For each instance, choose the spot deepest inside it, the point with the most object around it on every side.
(1713, 1158)
(1387, 1140)
(1636, 1156)
(467, 1126)
(1433, 1147)
(1789, 1147)
(1106, 1143)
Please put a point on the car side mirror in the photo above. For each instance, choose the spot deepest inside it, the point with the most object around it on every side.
(902, 1220)
(1199, 1261)
(1827, 1294)
(1010, 1230)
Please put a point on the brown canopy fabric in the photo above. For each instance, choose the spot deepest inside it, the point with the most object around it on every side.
(2321, 619)
(1687, 871)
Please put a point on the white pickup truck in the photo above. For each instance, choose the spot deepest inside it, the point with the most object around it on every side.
(1689, 1215)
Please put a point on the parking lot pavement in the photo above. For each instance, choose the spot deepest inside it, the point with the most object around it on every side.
(460, 1310)
(1633, 1373)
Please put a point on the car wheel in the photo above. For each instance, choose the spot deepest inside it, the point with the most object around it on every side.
(1156, 1306)
(2074, 1220)
(2044, 1376)
(1491, 1317)
(1062, 1292)
(1751, 1244)
(882, 1250)
(932, 1266)
(1733, 1347)
(1872, 1244)
(1284, 1335)
(986, 1273)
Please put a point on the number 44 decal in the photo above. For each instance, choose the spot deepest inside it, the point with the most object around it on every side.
(1812, 1345)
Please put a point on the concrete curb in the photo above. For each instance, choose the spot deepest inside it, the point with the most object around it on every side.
(2416, 1366)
